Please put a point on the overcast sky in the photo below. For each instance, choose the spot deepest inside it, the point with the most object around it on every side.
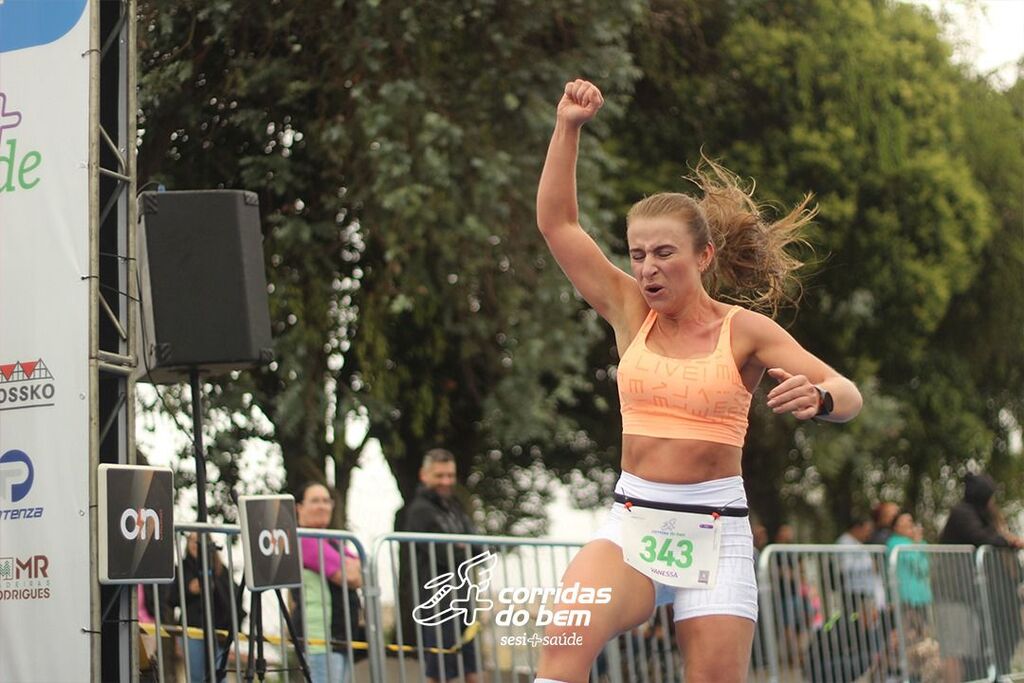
(989, 34)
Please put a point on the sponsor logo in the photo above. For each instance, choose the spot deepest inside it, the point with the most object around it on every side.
(16, 474)
(142, 524)
(8, 119)
(458, 595)
(16, 171)
(24, 578)
(16, 477)
(25, 384)
(273, 542)
(27, 24)
(461, 600)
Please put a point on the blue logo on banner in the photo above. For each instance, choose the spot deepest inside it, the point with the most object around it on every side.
(27, 23)
(16, 474)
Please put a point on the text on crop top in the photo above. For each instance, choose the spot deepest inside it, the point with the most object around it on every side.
(683, 398)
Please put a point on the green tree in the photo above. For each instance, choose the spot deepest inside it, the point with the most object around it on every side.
(396, 157)
(860, 103)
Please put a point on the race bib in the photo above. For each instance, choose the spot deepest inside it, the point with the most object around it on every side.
(674, 548)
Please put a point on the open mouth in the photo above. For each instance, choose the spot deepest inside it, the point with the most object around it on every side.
(653, 289)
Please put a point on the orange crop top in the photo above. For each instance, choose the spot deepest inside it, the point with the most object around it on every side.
(683, 398)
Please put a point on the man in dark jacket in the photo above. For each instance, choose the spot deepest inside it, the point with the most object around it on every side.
(435, 510)
(973, 521)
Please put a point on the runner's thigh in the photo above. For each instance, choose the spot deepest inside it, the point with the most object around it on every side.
(599, 564)
(716, 648)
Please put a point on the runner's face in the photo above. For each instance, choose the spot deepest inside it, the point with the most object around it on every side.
(316, 507)
(439, 476)
(664, 263)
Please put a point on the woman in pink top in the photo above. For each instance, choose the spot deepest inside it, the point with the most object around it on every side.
(679, 531)
(314, 507)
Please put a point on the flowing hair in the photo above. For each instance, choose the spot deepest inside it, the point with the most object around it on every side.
(753, 264)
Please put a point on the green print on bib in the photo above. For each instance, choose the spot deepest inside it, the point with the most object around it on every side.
(667, 555)
(674, 548)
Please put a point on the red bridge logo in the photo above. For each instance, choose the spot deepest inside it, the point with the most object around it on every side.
(26, 384)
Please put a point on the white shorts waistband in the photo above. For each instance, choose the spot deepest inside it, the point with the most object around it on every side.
(727, 491)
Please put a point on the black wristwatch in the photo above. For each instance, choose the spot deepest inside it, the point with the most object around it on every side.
(824, 402)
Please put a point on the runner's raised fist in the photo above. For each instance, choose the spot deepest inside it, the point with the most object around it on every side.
(579, 102)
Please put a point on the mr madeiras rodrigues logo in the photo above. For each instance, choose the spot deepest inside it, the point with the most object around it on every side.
(26, 383)
(24, 578)
(16, 478)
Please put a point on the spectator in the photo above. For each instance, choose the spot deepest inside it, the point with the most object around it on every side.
(912, 572)
(798, 602)
(435, 510)
(342, 573)
(221, 585)
(975, 520)
(147, 615)
(784, 534)
(883, 515)
(861, 585)
(760, 534)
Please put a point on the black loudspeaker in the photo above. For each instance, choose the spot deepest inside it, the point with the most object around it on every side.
(202, 284)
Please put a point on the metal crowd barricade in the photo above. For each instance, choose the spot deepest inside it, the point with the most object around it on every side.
(940, 619)
(1000, 574)
(165, 631)
(824, 614)
(225, 542)
(360, 628)
(829, 613)
(407, 566)
(405, 562)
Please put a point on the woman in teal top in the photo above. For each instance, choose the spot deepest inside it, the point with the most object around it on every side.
(912, 570)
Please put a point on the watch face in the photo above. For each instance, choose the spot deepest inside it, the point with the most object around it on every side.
(826, 402)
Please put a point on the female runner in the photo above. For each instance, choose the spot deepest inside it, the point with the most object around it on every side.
(679, 532)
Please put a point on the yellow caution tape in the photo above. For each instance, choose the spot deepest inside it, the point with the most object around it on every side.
(192, 632)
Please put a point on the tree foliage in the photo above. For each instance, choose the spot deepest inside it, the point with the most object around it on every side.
(396, 160)
(911, 285)
(396, 147)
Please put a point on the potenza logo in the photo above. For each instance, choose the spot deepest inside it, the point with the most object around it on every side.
(26, 384)
(16, 477)
(24, 578)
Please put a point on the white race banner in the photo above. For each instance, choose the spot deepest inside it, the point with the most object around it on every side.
(44, 340)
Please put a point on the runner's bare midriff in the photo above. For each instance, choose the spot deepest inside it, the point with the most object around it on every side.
(679, 461)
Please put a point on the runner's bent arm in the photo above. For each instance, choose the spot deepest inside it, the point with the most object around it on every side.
(797, 371)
